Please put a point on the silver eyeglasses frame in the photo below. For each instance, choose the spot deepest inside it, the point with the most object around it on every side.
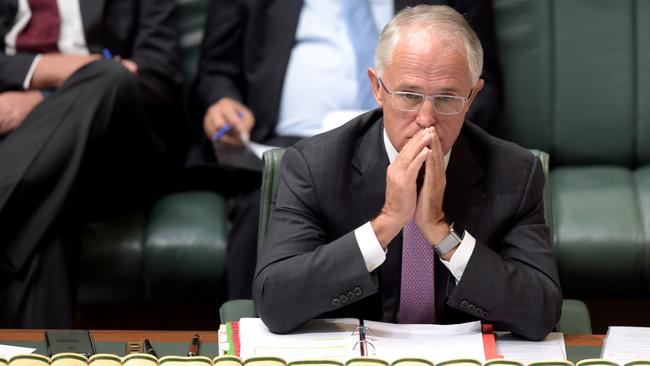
(436, 100)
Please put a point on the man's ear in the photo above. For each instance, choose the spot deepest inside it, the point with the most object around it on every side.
(374, 84)
(477, 88)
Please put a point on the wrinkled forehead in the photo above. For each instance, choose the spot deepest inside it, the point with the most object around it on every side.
(428, 51)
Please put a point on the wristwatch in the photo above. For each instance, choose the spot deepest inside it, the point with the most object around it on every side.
(450, 242)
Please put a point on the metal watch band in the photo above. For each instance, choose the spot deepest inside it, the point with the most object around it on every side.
(450, 242)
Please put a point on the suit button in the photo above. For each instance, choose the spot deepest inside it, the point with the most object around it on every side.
(336, 303)
(464, 304)
(351, 295)
(479, 312)
(357, 291)
(343, 299)
(471, 308)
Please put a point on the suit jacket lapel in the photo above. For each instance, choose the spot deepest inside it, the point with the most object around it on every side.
(464, 199)
(91, 16)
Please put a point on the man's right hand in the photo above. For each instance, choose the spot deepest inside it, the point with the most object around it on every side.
(229, 111)
(401, 187)
(15, 106)
(54, 69)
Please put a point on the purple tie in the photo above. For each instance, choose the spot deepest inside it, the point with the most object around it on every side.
(416, 302)
(42, 32)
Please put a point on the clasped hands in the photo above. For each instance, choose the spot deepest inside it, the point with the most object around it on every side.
(404, 201)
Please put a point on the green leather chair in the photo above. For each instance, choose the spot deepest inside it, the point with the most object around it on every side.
(577, 84)
(174, 251)
(575, 315)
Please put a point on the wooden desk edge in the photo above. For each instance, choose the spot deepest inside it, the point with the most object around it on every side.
(36, 335)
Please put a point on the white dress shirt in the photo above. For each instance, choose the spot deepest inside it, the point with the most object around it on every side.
(71, 41)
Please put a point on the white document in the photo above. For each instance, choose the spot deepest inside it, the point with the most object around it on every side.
(8, 352)
(624, 344)
(258, 149)
(433, 342)
(318, 339)
(518, 349)
(338, 339)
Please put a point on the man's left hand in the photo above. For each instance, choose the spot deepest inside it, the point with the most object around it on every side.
(429, 215)
(15, 106)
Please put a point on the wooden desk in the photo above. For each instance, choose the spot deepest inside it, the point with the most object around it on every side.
(175, 342)
(35, 335)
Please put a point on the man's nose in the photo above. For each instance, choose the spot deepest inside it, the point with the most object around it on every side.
(427, 115)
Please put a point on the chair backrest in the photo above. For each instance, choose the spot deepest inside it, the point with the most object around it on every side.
(576, 78)
(271, 177)
(548, 212)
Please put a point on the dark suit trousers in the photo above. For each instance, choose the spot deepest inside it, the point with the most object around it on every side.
(70, 161)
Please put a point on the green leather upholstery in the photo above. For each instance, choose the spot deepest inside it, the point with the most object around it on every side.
(575, 318)
(233, 310)
(577, 84)
(270, 179)
(185, 247)
(575, 315)
(548, 211)
(111, 260)
(175, 249)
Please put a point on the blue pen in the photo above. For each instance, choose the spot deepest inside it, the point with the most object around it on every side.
(225, 129)
(222, 131)
(106, 53)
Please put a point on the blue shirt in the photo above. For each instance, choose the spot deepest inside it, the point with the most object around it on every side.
(321, 74)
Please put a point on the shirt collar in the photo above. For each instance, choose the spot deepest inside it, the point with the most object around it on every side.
(392, 152)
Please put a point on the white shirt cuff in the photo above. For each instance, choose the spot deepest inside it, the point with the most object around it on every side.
(30, 72)
(461, 256)
(372, 252)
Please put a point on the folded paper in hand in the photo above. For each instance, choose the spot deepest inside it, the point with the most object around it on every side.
(248, 156)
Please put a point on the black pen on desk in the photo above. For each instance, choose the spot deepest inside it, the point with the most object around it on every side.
(194, 346)
(148, 348)
(362, 337)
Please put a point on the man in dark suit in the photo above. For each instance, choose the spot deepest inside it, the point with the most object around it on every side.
(362, 225)
(87, 106)
(247, 77)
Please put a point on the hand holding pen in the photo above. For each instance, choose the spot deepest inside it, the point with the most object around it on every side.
(228, 122)
(130, 65)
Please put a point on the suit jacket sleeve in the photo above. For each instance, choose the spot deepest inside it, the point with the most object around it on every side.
(156, 51)
(299, 260)
(514, 284)
(220, 71)
(13, 68)
(486, 107)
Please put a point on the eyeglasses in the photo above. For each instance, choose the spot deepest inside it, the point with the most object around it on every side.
(412, 102)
